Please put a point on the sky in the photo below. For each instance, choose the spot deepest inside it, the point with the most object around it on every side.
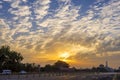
(84, 33)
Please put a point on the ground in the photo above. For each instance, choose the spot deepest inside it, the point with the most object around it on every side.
(60, 76)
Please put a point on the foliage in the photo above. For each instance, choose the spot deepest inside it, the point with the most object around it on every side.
(9, 59)
(57, 66)
(61, 64)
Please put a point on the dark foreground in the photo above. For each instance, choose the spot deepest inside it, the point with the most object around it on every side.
(50, 76)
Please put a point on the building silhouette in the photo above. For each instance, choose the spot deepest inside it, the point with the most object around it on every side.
(106, 64)
(105, 68)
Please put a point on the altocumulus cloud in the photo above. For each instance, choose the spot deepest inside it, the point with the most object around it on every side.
(34, 28)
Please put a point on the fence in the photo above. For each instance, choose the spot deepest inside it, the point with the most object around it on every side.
(36, 76)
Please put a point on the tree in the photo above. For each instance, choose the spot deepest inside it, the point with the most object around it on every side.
(48, 67)
(4, 51)
(9, 59)
(61, 64)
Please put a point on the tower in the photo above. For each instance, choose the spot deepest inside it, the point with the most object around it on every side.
(106, 64)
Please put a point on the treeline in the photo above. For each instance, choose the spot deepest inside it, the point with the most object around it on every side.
(57, 66)
(99, 69)
(10, 59)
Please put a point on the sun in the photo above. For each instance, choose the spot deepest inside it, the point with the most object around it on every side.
(64, 56)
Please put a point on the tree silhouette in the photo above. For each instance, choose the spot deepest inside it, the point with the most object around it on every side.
(61, 64)
(9, 59)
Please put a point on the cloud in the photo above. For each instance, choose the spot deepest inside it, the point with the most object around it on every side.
(8, 0)
(21, 10)
(24, 0)
(41, 8)
(4, 32)
(1, 6)
(34, 29)
(1, 2)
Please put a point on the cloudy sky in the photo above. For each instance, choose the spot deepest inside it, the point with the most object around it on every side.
(84, 33)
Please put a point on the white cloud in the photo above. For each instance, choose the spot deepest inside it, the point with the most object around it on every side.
(15, 4)
(4, 31)
(22, 11)
(1, 2)
(1, 6)
(24, 0)
(41, 8)
(66, 28)
(65, 1)
(8, 0)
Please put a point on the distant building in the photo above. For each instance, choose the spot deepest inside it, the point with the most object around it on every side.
(106, 64)
(105, 68)
(108, 68)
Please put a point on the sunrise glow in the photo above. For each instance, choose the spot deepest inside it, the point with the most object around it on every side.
(83, 32)
(64, 56)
